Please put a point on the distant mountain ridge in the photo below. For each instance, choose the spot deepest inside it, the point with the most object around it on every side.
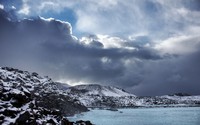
(94, 95)
(62, 86)
(100, 90)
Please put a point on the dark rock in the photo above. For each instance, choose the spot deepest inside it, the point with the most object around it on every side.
(56, 112)
(54, 101)
(33, 122)
(51, 121)
(88, 123)
(23, 118)
(1, 118)
(10, 113)
(8, 68)
(112, 109)
(81, 122)
(20, 99)
(29, 101)
(31, 105)
(65, 121)
(34, 74)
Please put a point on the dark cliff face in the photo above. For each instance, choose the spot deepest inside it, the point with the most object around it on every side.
(27, 98)
(63, 103)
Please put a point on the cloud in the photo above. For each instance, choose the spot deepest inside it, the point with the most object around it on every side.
(37, 7)
(169, 76)
(1, 6)
(25, 8)
(180, 45)
(159, 19)
(163, 18)
(149, 47)
(48, 47)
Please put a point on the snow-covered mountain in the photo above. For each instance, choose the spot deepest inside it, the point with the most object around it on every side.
(62, 86)
(100, 90)
(94, 95)
(27, 98)
(183, 99)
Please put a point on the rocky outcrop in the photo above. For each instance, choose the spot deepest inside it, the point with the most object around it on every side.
(29, 99)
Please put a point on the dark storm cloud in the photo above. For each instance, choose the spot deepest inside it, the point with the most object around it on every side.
(161, 56)
(48, 47)
(170, 76)
(192, 4)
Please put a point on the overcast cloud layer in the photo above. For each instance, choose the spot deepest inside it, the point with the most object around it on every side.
(147, 47)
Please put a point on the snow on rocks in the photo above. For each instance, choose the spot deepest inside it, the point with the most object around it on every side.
(95, 89)
(94, 95)
(27, 98)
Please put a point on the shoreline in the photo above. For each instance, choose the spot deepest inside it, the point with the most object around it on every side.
(146, 106)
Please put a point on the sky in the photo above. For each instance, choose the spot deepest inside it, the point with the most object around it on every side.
(147, 47)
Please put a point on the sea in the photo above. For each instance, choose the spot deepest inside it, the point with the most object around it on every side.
(142, 116)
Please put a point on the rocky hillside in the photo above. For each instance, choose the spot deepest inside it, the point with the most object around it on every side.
(95, 89)
(27, 98)
(94, 95)
(107, 96)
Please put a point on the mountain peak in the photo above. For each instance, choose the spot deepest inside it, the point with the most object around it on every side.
(96, 89)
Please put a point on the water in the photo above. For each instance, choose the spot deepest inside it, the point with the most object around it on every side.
(143, 116)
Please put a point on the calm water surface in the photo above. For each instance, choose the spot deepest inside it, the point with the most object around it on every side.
(143, 116)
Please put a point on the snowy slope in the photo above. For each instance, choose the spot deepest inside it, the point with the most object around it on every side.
(27, 98)
(62, 86)
(18, 82)
(10, 77)
(183, 99)
(94, 95)
(95, 89)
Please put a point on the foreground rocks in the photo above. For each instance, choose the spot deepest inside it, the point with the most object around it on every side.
(29, 99)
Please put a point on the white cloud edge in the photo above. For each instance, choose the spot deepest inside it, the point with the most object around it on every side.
(1, 6)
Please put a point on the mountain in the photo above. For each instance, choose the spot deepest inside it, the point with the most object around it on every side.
(100, 90)
(93, 95)
(62, 86)
(27, 98)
